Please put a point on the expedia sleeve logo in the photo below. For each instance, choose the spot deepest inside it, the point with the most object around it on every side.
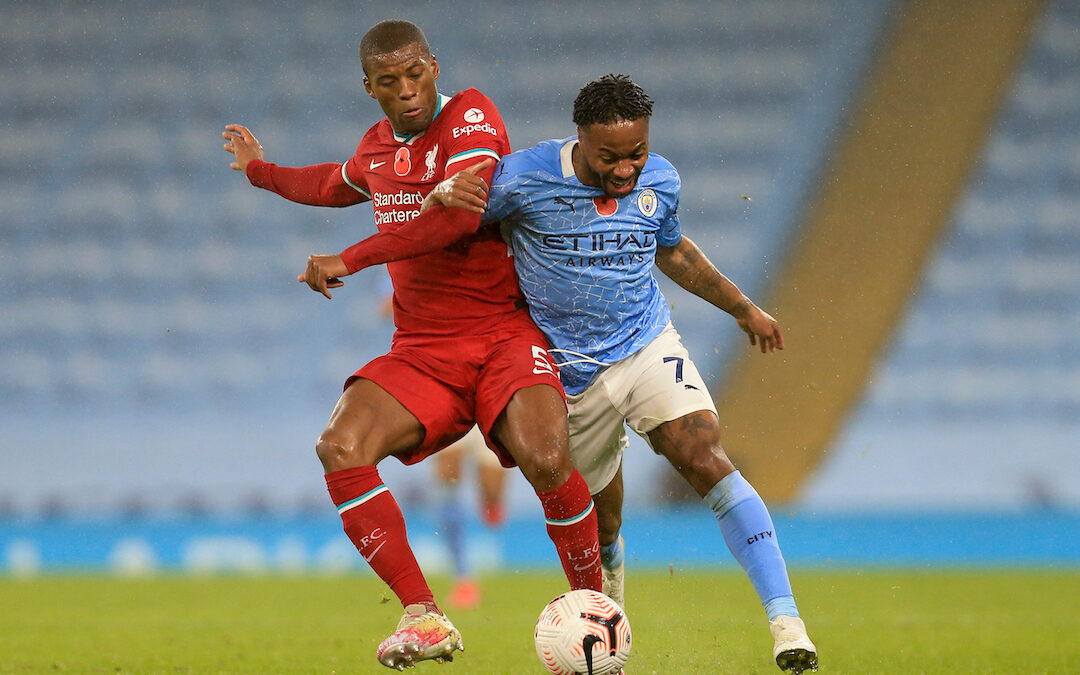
(474, 116)
(647, 202)
(470, 129)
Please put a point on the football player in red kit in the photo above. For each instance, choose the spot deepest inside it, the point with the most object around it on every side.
(465, 348)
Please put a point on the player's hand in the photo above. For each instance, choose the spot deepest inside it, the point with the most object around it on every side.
(759, 326)
(323, 272)
(241, 143)
(464, 190)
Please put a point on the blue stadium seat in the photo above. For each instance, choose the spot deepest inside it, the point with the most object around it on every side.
(180, 291)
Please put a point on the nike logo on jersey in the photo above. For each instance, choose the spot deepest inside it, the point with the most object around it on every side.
(565, 202)
(369, 557)
(375, 165)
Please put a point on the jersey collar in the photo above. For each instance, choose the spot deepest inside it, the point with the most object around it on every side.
(566, 158)
(407, 140)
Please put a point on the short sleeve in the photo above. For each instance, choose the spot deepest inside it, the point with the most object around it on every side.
(670, 232)
(501, 204)
(476, 131)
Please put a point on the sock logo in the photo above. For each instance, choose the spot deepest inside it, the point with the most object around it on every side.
(369, 539)
(369, 557)
(589, 556)
(760, 536)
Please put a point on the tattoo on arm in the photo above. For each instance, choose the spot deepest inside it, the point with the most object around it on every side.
(694, 424)
(687, 266)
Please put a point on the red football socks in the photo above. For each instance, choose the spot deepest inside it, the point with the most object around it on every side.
(571, 524)
(372, 519)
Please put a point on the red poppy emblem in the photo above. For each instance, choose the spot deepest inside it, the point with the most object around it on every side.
(605, 205)
(402, 163)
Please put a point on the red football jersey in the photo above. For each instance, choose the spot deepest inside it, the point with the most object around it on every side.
(469, 286)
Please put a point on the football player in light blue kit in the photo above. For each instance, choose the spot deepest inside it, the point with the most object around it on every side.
(587, 218)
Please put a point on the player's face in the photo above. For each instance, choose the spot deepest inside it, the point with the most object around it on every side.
(403, 82)
(612, 156)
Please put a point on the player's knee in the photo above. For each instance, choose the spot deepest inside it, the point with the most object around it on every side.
(547, 467)
(706, 463)
(336, 452)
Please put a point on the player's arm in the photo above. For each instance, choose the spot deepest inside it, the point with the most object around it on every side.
(685, 264)
(433, 230)
(316, 185)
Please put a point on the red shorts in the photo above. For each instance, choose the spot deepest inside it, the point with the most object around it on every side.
(449, 383)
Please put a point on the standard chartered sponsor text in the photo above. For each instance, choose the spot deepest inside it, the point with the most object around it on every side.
(400, 198)
(395, 216)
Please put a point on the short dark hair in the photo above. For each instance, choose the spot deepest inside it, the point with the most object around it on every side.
(609, 99)
(390, 36)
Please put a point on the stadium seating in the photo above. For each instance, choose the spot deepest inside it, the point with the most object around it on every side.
(978, 398)
(142, 277)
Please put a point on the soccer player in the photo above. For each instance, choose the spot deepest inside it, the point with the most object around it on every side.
(465, 350)
(587, 218)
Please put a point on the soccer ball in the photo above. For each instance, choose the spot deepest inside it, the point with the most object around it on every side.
(583, 633)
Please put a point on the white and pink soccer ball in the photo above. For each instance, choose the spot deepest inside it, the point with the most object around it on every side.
(583, 633)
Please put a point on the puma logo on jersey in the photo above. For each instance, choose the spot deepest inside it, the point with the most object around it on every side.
(565, 202)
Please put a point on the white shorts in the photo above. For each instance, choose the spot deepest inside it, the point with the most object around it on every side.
(473, 448)
(656, 385)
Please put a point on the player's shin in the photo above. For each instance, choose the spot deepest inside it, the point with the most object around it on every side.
(750, 536)
(373, 521)
(571, 524)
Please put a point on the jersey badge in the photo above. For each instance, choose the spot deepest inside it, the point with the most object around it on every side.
(402, 162)
(429, 162)
(647, 202)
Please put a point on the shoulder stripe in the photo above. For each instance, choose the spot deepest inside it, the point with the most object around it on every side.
(345, 177)
(471, 154)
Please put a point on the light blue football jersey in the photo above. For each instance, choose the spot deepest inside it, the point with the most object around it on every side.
(585, 260)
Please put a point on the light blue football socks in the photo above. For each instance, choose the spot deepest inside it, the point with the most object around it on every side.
(611, 556)
(749, 534)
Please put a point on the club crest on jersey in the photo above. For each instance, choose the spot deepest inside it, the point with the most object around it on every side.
(647, 202)
(474, 115)
(402, 161)
(429, 162)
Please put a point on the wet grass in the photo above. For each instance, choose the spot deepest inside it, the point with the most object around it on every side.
(684, 622)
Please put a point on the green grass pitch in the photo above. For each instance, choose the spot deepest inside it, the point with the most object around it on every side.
(684, 622)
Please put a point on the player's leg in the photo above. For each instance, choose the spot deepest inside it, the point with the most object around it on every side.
(597, 443)
(609, 504)
(670, 390)
(367, 425)
(532, 428)
(521, 407)
(692, 444)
